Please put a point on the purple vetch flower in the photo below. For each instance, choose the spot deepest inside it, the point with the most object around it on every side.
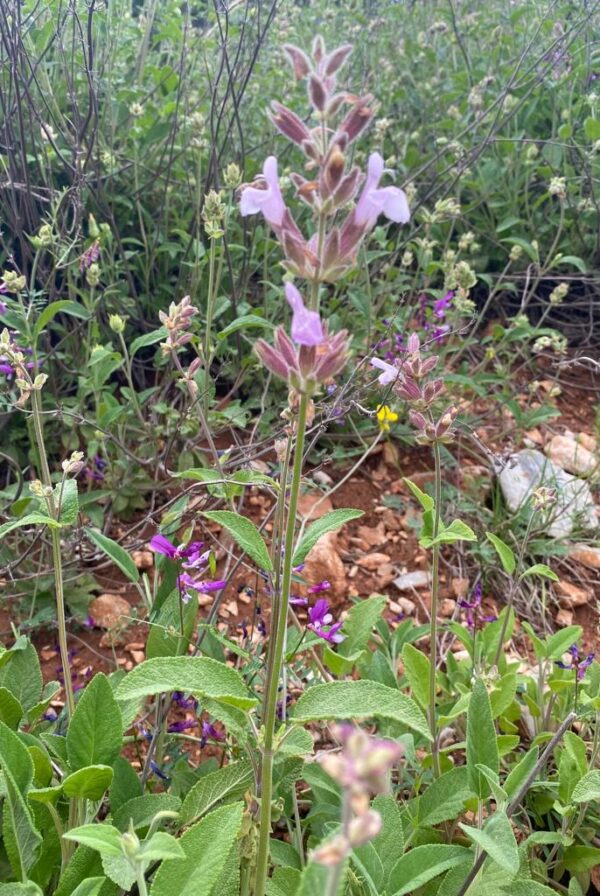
(161, 545)
(578, 663)
(320, 622)
(185, 583)
(183, 702)
(307, 328)
(209, 732)
(390, 371)
(473, 606)
(296, 601)
(182, 725)
(319, 587)
(375, 200)
(440, 306)
(268, 200)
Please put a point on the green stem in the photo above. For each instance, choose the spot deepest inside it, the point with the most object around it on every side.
(274, 671)
(140, 880)
(209, 317)
(435, 584)
(129, 378)
(56, 553)
(336, 871)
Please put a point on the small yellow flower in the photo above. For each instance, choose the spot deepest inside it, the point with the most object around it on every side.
(385, 416)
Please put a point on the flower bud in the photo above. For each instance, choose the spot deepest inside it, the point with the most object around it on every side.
(316, 92)
(333, 852)
(364, 827)
(116, 323)
(232, 176)
(92, 275)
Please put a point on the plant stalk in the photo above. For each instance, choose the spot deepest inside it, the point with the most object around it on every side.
(274, 671)
(435, 585)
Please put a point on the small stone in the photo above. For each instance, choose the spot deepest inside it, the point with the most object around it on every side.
(447, 607)
(313, 505)
(373, 562)
(534, 436)
(571, 456)
(324, 562)
(420, 578)
(526, 470)
(589, 442)
(322, 478)
(460, 587)
(109, 610)
(138, 656)
(143, 559)
(205, 600)
(564, 617)
(372, 535)
(402, 605)
(586, 555)
(135, 645)
(572, 595)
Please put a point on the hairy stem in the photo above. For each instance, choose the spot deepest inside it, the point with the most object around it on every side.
(276, 660)
(435, 585)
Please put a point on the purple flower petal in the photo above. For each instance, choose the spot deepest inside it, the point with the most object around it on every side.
(375, 200)
(161, 545)
(307, 328)
(390, 371)
(269, 201)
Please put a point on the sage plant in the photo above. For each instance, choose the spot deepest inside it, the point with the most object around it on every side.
(345, 204)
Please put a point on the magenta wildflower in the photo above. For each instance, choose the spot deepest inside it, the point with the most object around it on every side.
(472, 608)
(578, 663)
(307, 328)
(298, 601)
(161, 545)
(320, 622)
(193, 560)
(441, 305)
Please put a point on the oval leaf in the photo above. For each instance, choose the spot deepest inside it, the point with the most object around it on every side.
(245, 534)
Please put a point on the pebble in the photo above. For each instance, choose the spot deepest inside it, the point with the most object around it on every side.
(143, 559)
(586, 555)
(372, 562)
(572, 595)
(108, 610)
(572, 456)
(420, 578)
(564, 617)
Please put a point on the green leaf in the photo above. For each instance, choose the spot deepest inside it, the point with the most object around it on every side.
(245, 534)
(497, 839)
(540, 569)
(140, 810)
(11, 711)
(228, 783)
(329, 522)
(588, 788)
(61, 307)
(359, 700)
(95, 731)
(506, 554)
(15, 889)
(165, 637)
(17, 768)
(573, 260)
(30, 519)
(65, 497)
(104, 838)
(90, 887)
(22, 675)
(456, 531)
(417, 669)
(200, 676)
(245, 322)
(89, 783)
(161, 847)
(116, 553)
(482, 748)
(425, 500)
(577, 859)
(360, 622)
(206, 846)
(591, 126)
(422, 864)
(560, 641)
(520, 772)
(444, 799)
(241, 477)
(147, 339)
(119, 870)
(527, 888)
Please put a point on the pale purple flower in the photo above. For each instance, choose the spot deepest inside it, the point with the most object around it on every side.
(441, 305)
(390, 371)
(3, 307)
(319, 587)
(375, 200)
(185, 582)
(183, 725)
(269, 200)
(307, 328)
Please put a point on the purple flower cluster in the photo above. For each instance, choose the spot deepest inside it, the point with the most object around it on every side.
(320, 622)
(432, 316)
(473, 608)
(6, 367)
(194, 562)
